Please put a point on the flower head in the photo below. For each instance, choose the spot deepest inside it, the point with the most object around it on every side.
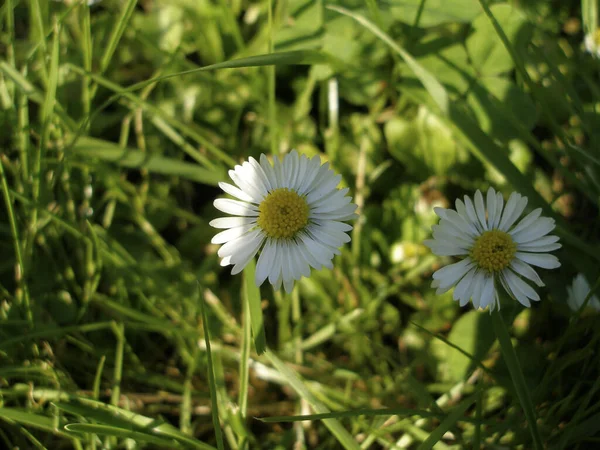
(578, 292)
(493, 249)
(592, 43)
(292, 211)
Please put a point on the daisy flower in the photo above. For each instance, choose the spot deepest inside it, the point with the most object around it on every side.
(493, 248)
(578, 293)
(592, 43)
(292, 211)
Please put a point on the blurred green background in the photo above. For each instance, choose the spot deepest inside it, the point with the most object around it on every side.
(113, 141)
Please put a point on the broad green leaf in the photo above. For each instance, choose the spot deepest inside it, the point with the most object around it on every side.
(87, 148)
(496, 102)
(435, 12)
(304, 27)
(433, 86)
(474, 334)
(424, 144)
(488, 54)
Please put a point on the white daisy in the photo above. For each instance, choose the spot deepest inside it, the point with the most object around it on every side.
(578, 293)
(492, 249)
(293, 207)
(592, 43)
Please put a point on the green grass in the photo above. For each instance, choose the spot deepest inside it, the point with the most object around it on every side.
(118, 327)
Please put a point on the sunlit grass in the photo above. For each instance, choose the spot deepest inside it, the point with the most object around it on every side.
(118, 326)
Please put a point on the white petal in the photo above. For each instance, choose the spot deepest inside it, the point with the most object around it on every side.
(499, 208)
(526, 222)
(331, 202)
(445, 233)
(488, 291)
(230, 222)
(322, 254)
(269, 172)
(300, 265)
(231, 233)
(479, 281)
(480, 209)
(275, 273)
(301, 172)
(451, 274)
(514, 208)
(245, 177)
(235, 207)
(470, 209)
(334, 225)
(245, 252)
(491, 207)
(265, 262)
(232, 247)
(288, 285)
(445, 248)
(286, 264)
(260, 172)
(312, 171)
(307, 255)
(544, 261)
(516, 287)
(237, 192)
(526, 271)
(541, 227)
(535, 248)
(460, 224)
(341, 214)
(464, 288)
(225, 261)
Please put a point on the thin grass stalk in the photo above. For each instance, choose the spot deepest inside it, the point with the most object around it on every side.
(516, 373)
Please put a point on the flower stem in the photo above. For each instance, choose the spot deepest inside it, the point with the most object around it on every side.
(510, 357)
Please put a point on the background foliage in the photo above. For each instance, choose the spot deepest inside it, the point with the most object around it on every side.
(113, 142)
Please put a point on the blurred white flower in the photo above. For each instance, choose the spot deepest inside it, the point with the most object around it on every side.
(492, 249)
(592, 43)
(578, 293)
(293, 207)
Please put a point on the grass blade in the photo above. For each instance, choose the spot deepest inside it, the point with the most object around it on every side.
(448, 423)
(251, 295)
(211, 379)
(433, 86)
(292, 378)
(516, 373)
(136, 159)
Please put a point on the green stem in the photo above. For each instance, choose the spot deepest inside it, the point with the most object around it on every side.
(516, 373)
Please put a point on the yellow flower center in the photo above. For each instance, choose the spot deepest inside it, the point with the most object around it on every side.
(596, 37)
(282, 213)
(493, 250)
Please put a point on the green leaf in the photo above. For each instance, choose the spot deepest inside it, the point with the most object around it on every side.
(474, 334)
(435, 12)
(487, 52)
(424, 143)
(433, 86)
(497, 102)
(87, 147)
